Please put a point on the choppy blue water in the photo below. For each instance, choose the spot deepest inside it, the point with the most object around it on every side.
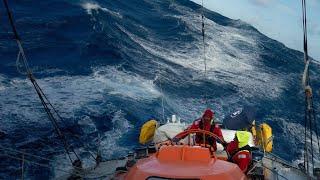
(102, 63)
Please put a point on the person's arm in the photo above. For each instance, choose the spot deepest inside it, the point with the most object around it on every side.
(232, 147)
(217, 131)
(194, 125)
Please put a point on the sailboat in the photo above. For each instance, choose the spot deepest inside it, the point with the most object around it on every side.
(168, 156)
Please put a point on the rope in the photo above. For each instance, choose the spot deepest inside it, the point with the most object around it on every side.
(310, 115)
(44, 100)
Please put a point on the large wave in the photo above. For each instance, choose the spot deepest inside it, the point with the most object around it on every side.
(106, 65)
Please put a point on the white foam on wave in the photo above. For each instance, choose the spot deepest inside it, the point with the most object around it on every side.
(108, 145)
(224, 54)
(71, 94)
(127, 84)
(94, 6)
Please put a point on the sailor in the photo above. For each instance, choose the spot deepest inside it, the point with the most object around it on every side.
(240, 151)
(206, 122)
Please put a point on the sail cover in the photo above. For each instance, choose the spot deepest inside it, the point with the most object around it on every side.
(242, 118)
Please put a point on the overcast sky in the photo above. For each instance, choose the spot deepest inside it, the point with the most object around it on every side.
(278, 19)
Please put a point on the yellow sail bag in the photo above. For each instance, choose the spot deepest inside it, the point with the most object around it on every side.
(147, 131)
(266, 136)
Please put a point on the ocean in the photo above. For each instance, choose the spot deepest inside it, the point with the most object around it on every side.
(107, 65)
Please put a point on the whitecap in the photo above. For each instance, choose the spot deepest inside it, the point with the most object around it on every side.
(238, 67)
(94, 6)
(72, 94)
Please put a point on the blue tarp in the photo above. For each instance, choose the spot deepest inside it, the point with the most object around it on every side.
(242, 118)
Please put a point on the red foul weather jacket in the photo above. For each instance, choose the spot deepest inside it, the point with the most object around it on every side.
(241, 157)
(214, 128)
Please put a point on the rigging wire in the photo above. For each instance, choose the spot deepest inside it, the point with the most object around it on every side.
(52, 113)
(32, 162)
(158, 77)
(41, 158)
(310, 114)
(306, 159)
(30, 158)
(10, 150)
(204, 52)
(317, 132)
(76, 171)
(162, 101)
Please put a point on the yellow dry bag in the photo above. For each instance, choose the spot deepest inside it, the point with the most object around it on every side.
(147, 131)
(266, 137)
